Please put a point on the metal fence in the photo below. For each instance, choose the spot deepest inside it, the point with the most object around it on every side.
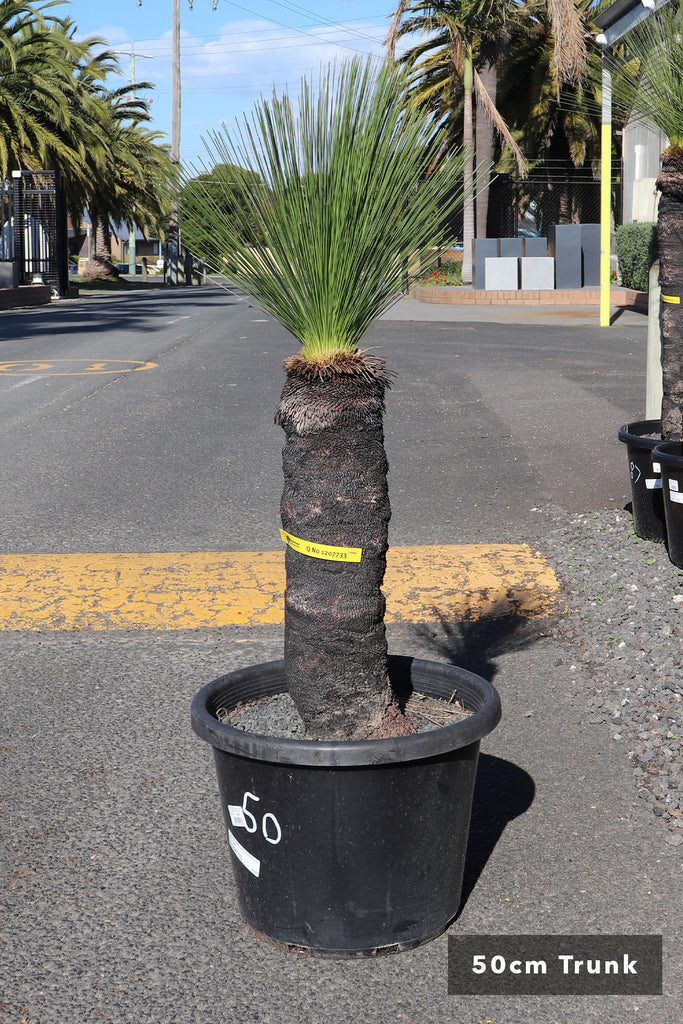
(34, 228)
(6, 213)
(549, 195)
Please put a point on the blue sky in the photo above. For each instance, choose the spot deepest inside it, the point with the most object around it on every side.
(230, 56)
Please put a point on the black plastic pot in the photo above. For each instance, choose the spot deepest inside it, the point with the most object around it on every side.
(649, 520)
(669, 457)
(348, 848)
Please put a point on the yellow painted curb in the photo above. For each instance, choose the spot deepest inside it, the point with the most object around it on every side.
(187, 590)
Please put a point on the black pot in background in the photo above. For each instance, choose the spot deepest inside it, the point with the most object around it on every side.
(351, 848)
(668, 456)
(646, 485)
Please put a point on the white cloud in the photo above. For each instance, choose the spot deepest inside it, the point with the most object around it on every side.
(249, 56)
(224, 73)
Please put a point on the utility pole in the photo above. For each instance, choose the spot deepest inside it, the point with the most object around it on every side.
(173, 246)
(132, 253)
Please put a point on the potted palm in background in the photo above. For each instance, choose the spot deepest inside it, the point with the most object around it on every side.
(650, 85)
(353, 840)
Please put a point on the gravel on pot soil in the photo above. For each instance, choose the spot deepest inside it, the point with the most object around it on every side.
(277, 715)
(624, 622)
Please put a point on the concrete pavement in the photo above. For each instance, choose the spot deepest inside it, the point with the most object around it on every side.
(118, 902)
(532, 313)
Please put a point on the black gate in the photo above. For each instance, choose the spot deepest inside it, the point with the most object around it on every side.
(40, 229)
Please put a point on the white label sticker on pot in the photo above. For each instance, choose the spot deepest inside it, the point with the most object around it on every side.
(657, 467)
(237, 816)
(673, 484)
(250, 862)
(654, 483)
(677, 496)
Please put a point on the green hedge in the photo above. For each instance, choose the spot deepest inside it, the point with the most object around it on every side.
(636, 252)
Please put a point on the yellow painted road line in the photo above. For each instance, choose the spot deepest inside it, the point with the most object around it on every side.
(187, 590)
(73, 367)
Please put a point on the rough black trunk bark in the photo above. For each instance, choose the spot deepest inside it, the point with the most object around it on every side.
(670, 243)
(335, 493)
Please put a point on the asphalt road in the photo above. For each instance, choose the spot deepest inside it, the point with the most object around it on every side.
(117, 903)
(145, 423)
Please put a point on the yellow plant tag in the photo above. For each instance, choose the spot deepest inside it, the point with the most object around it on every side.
(675, 300)
(327, 551)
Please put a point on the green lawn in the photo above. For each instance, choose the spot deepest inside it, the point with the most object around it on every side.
(121, 284)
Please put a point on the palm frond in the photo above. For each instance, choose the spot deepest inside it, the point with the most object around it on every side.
(393, 33)
(495, 119)
(568, 61)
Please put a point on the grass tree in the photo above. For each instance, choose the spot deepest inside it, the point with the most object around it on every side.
(346, 204)
(649, 82)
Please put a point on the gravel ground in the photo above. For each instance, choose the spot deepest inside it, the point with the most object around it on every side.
(623, 621)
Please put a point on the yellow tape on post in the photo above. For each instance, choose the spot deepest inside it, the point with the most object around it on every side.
(675, 300)
(326, 551)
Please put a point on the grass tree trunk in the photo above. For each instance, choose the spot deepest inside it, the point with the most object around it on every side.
(335, 494)
(670, 242)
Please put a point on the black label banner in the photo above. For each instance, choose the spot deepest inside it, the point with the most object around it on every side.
(559, 965)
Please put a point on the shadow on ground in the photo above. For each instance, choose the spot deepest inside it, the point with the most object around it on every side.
(503, 791)
(475, 643)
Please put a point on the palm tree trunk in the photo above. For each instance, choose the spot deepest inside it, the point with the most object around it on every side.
(488, 73)
(100, 263)
(468, 176)
(670, 242)
(335, 493)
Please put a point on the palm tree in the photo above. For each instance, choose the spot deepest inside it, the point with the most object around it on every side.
(37, 59)
(57, 113)
(467, 45)
(346, 205)
(131, 171)
(649, 84)
(456, 35)
(557, 121)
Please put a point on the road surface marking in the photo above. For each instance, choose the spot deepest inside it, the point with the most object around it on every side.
(26, 367)
(188, 590)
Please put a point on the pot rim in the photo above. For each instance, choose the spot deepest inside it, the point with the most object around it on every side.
(435, 678)
(633, 433)
(665, 453)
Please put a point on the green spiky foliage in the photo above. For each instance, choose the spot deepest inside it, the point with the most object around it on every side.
(345, 206)
(648, 84)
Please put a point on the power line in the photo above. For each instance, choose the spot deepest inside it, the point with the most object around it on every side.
(204, 40)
